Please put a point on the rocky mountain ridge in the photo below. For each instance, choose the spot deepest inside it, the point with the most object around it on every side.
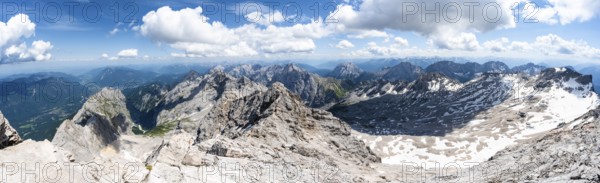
(229, 116)
(100, 123)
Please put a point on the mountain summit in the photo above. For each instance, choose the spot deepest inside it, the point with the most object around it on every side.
(346, 71)
(101, 121)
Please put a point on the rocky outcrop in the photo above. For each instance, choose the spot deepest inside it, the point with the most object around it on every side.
(101, 121)
(566, 78)
(403, 71)
(266, 125)
(190, 100)
(495, 67)
(8, 135)
(346, 71)
(567, 154)
(314, 90)
(529, 69)
(464, 72)
(434, 82)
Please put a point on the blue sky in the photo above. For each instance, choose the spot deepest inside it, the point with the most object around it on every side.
(565, 30)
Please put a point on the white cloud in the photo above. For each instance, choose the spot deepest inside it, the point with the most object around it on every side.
(185, 25)
(265, 18)
(210, 50)
(401, 42)
(449, 29)
(189, 31)
(128, 53)
(373, 49)
(565, 11)
(107, 57)
(358, 34)
(344, 44)
(17, 27)
(452, 41)
(114, 31)
(12, 46)
(497, 45)
(548, 45)
(37, 52)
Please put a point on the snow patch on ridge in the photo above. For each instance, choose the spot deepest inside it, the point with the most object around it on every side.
(528, 112)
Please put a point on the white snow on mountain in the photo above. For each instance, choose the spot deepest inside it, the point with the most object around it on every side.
(528, 112)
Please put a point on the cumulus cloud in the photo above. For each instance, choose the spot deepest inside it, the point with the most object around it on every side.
(362, 34)
(128, 53)
(37, 52)
(344, 44)
(452, 41)
(12, 46)
(564, 11)
(17, 27)
(401, 42)
(114, 31)
(549, 45)
(453, 22)
(373, 49)
(265, 18)
(188, 30)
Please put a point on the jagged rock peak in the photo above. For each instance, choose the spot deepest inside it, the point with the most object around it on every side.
(191, 75)
(8, 135)
(244, 70)
(564, 77)
(346, 70)
(293, 67)
(218, 68)
(266, 121)
(529, 68)
(108, 103)
(495, 67)
(403, 71)
(279, 87)
(101, 121)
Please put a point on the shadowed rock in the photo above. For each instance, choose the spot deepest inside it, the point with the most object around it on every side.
(101, 121)
(8, 135)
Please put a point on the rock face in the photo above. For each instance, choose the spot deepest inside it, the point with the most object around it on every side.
(276, 122)
(529, 68)
(567, 154)
(314, 90)
(193, 98)
(415, 108)
(467, 71)
(346, 71)
(8, 135)
(495, 67)
(101, 121)
(403, 71)
(595, 72)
